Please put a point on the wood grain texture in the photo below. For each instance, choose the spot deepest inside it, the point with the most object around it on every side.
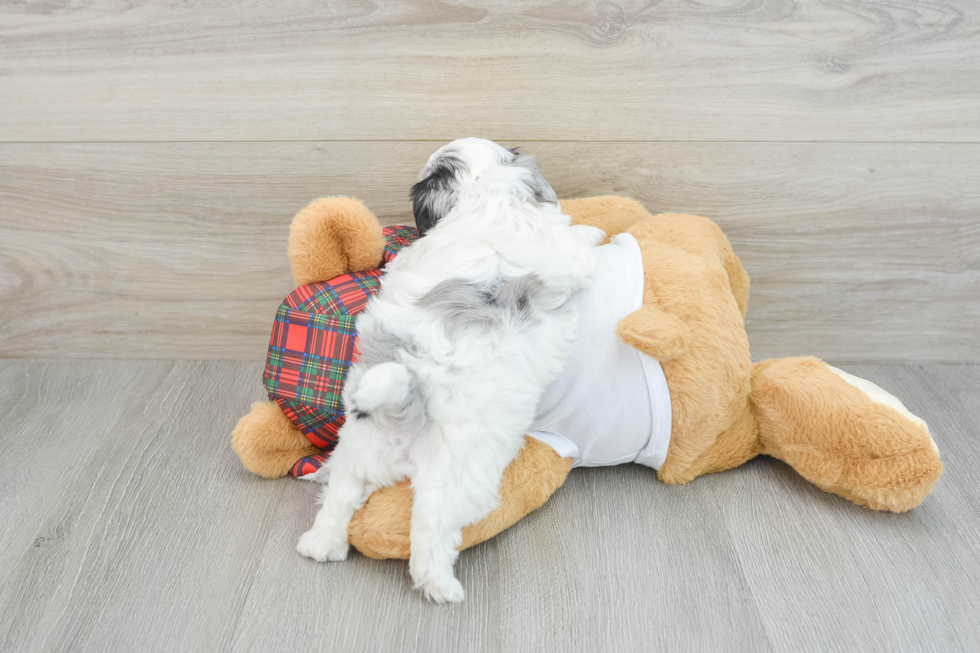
(158, 564)
(857, 252)
(425, 69)
(47, 408)
(827, 575)
(144, 533)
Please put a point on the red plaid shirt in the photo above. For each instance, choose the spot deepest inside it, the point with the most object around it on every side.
(313, 345)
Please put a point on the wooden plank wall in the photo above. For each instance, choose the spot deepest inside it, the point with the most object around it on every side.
(152, 155)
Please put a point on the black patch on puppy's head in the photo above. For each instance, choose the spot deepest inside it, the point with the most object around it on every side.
(467, 161)
(435, 194)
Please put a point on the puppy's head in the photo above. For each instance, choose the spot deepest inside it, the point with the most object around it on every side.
(475, 165)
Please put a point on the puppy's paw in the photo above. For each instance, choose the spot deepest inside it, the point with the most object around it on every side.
(321, 475)
(321, 547)
(443, 590)
(436, 580)
(591, 235)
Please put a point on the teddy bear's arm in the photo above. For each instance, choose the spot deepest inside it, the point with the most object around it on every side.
(654, 332)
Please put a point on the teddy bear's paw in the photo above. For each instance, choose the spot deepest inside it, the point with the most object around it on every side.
(318, 545)
(442, 590)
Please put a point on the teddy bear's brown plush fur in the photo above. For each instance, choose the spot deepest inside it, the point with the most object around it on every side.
(725, 409)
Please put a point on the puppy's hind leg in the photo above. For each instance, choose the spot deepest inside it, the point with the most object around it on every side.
(353, 476)
(455, 487)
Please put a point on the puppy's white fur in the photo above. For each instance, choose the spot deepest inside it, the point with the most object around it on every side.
(473, 321)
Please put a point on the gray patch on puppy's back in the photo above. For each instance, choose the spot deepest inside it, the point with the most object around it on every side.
(518, 293)
(460, 304)
(461, 300)
(379, 345)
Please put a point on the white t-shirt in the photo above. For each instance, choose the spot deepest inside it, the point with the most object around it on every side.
(611, 404)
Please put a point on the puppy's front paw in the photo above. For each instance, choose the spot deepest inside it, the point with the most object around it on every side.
(443, 590)
(321, 547)
(591, 235)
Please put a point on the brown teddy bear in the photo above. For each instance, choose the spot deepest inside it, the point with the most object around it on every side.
(842, 433)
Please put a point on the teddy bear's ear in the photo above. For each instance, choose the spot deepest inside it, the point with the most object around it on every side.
(334, 236)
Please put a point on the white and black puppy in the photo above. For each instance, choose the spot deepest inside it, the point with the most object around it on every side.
(473, 321)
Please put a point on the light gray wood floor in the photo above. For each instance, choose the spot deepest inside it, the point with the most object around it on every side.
(127, 523)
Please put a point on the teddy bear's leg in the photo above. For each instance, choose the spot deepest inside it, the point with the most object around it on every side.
(844, 434)
(267, 442)
(736, 445)
(693, 234)
(380, 529)
(611, 213)
(333, 236)
(704, 239)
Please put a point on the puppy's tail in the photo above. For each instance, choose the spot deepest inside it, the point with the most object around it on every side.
(386, 387)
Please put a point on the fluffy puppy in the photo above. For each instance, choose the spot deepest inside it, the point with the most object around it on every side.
(473, 321)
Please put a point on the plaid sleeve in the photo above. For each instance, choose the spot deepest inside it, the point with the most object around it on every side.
(309, 356)
(397, 238)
